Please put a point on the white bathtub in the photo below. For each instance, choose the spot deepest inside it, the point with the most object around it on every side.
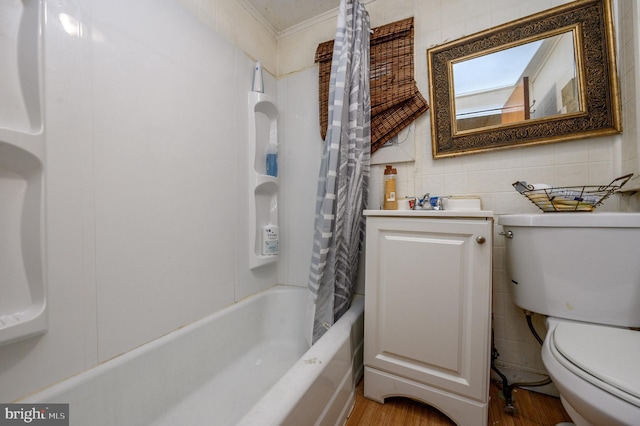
(247, 364)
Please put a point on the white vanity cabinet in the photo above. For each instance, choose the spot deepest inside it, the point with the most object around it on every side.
(428, 309)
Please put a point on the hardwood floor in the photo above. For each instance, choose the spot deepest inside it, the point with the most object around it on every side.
(532, 409)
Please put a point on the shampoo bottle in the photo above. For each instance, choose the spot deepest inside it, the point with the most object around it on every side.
(272, 159)
(390, 201)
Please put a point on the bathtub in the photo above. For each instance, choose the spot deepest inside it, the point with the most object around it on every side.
(248, 364)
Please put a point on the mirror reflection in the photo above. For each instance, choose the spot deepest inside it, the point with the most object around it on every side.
(533, 80)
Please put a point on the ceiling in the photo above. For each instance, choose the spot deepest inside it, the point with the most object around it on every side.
(283, 14)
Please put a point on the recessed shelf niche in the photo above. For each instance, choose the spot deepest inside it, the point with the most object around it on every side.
(263, 191)
(23, 296)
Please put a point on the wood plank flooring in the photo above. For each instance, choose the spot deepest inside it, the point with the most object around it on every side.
(532, 409)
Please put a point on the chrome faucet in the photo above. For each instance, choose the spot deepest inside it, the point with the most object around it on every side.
(423, 203)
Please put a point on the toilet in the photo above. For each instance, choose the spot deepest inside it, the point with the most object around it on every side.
(582, 270)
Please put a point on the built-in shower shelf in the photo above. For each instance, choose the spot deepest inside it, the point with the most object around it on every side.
(261, 179)
(23, 296)
(263, 191)
(22, 286)
(30, 142)
(23, 324)
(11, 320)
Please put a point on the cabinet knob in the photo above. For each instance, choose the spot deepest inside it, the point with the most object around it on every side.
(480, 239)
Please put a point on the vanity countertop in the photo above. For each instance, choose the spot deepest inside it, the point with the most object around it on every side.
(431, 213)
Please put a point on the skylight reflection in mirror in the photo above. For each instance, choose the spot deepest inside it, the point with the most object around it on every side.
(528, 81)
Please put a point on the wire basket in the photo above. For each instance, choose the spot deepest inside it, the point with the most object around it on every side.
(570, 198)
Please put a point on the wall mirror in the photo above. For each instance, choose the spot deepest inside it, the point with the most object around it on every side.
(544, 78)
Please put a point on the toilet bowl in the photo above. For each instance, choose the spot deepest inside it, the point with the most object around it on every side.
(581, 271)
(592, 368)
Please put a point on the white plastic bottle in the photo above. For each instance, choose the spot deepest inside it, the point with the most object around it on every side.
(270, 240)
(258, 82)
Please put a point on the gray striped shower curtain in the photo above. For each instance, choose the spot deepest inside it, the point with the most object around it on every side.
(344, 172)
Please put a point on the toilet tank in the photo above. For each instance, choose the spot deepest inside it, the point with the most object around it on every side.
(580, 266)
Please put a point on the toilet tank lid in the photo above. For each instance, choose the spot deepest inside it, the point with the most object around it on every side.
(578, 220)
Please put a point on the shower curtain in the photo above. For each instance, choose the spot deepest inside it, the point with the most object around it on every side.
(344, 172)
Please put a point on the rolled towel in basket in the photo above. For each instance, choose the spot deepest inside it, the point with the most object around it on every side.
(537, 186)
(573, 195)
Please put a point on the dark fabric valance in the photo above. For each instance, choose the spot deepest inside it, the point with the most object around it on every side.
(395, 99)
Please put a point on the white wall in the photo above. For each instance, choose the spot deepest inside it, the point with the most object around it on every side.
(629, 47)
(300, 165)
(146, 130)
(582, 162)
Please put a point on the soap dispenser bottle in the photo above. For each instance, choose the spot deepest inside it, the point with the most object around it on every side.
(390, 200)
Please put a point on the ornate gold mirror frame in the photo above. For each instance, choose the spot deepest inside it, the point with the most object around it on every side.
(595, 112)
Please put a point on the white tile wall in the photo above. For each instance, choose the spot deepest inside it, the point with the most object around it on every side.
(629, 47)
(146, 132)
(301, 151)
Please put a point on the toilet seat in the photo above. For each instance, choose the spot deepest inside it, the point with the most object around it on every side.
(606, 357)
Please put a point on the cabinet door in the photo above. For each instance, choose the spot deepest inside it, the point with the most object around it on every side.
(427, 304)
